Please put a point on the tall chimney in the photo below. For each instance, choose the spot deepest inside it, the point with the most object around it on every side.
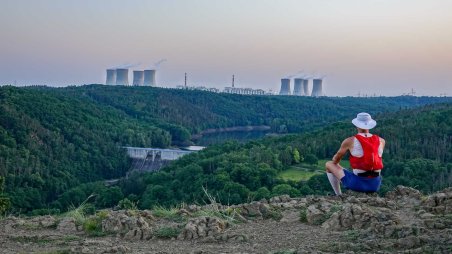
(149, 78)
(111, 77)
(317, 89)
(122, 77)
(138, 78)
(285, 87)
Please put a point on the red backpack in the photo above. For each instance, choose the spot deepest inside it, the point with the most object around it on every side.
(371, 159)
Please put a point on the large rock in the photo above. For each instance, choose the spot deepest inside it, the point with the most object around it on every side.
(439, 203)
(405, 196)
(67, 226)
(320, 211)
(202, 227)
(127, 225)
(402, 191)
(355, 216)
(254, 210)
(280, 199)
(43, 221)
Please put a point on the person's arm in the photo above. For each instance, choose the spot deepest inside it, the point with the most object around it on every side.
(346, 145)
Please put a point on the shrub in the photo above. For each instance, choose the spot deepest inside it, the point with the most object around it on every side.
(93, 225)
(167, 232)
(128, 204)
(303, 214)
(282, 189)
(261, 193)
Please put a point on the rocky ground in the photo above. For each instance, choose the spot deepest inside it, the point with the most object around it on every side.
(402, 222)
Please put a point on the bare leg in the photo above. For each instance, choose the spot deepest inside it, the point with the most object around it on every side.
(335, 169)
(334, 178)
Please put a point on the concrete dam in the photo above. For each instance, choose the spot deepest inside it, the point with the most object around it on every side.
(152, 159)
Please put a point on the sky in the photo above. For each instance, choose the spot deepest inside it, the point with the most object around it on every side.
(384, 47)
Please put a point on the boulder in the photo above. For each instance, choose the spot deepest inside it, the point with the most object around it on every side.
(403, 191)
(67, 226)
(355, 216)
(129, 226)
(439, 203)
(202, 227)
(280, 199)
(318, 212)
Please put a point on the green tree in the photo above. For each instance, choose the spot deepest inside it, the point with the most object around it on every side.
(261, 193)
(296, 156)
(4, 201)
(311, 159)
(286, 156)
(110, 197)
(282, 189)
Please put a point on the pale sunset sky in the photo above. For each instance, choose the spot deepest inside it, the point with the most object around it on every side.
(383, 47)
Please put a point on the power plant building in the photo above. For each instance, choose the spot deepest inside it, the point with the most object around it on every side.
(122, 77)
(306, 87)
(317, 89)
(149, 78)
(246, 91)
(285, 87)
(111, 77)
(138, 78)
(298, 87)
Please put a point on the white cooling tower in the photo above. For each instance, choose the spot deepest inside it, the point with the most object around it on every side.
(306, 87)
(298, 87)
(138, 78)
(317, 89)
(285, 87)
(122, 77)
(149, 78)
(111, 77)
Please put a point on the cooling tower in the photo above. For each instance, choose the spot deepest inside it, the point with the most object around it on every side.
(138, 78)
(149, 78)
(298, 87)
(317, 88)
(111, 77)
(285, 87)
(122, 77)
(306, 87)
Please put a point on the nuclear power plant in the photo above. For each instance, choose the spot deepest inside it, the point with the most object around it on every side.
(301, 87)
(149, 78)
(111, 77)
(317, 90)
(138, 78)
(298, 87)
(285, 87)
(120, 77)
(306, 86)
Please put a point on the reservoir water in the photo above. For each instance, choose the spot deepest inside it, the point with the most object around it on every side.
(221, 137)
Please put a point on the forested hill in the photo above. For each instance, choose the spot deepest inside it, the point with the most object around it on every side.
(54, 139)
(418, 153)
(199, 110)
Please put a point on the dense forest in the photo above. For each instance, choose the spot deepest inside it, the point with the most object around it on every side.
(198, 110)
(58, 144)
(418, 154)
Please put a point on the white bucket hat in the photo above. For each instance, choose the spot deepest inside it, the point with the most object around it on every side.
(364, 121)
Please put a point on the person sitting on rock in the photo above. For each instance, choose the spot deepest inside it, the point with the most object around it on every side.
(365, 159)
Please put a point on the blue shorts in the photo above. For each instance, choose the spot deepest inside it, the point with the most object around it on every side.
(359, 183)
